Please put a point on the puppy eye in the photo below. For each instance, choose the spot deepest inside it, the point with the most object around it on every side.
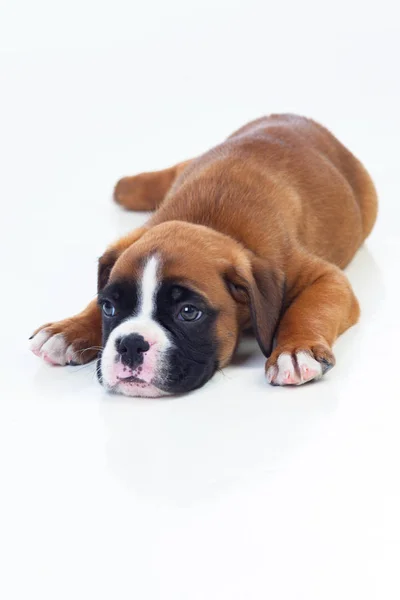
(189, 313)
(108, 308)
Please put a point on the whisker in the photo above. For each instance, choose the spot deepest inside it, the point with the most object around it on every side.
(91, 363)
(97, 348)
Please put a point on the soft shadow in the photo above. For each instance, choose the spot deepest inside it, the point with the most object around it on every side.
(54, 381)
(235, 430)
(246, 350)
(367, 280)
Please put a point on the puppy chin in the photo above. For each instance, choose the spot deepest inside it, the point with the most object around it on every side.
(143, 390)
(114, 380)
(117, 379)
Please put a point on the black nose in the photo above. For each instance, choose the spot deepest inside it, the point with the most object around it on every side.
(131, 348)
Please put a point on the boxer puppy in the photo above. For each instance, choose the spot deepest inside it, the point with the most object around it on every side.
(254, 233)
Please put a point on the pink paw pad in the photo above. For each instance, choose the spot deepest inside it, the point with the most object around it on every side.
(47, 359)
(294, 370)
(307, 373)
(50, 348)
(288, 378)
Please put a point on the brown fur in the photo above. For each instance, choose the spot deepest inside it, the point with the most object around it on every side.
(262, 226)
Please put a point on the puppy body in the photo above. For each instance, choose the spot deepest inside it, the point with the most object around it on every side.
(257, 229)
(279, 185)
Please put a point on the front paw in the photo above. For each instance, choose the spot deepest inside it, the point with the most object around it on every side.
(67, 342)
(298, 365)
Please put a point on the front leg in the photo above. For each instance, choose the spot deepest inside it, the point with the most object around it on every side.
(322, 307)
(76, 340)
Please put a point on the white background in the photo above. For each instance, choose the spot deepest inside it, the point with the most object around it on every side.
(240, 490)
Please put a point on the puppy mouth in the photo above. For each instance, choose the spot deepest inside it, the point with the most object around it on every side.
(133, 379)
(135, 386)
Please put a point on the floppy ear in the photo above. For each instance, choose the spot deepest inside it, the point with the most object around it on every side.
(263, 289)
(111, 255)
(106, 263)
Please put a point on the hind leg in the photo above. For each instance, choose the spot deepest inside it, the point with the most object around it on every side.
(368, 201)
(146, 191)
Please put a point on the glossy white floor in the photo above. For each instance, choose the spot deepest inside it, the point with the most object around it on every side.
(240, 490)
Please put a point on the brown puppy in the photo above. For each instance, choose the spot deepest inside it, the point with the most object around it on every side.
(253, 233)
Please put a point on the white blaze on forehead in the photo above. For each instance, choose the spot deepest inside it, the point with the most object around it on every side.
(148, 288)
(141, 322)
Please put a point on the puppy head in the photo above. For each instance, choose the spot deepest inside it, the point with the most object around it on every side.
(174, 304)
